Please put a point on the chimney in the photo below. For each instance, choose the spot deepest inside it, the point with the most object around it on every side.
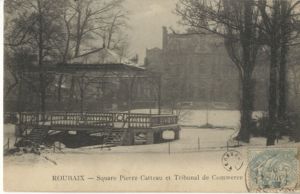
(164, 38)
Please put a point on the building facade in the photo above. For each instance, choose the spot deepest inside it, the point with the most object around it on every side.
(197, 68)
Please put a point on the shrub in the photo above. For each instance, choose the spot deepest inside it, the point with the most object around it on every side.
(290, 126)
(259, 126)
(294, 122)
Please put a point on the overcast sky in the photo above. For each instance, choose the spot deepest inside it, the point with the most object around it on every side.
(146, 20)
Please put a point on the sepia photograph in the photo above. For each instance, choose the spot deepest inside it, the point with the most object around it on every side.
(151, 95)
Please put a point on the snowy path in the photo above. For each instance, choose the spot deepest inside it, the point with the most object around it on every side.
(188, 142)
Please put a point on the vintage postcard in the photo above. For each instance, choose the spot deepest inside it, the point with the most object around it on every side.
(151, 95)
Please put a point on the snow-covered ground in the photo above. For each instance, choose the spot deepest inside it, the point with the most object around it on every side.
(37, 174)
(9, 135)
(150, 160)
(217, 118)
(188, 142)
(192, 140)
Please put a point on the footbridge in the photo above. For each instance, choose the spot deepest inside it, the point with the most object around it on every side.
(118, 128)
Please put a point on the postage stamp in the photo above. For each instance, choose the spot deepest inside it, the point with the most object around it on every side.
(272, 170)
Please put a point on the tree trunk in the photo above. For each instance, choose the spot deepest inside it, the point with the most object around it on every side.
(71, 93)
(246, 108)
(285, 35)
(82, 89)
(20, 93)
(42, 86)
(78, 35)
(247, 38)
(64, 60)
(282, 85)
(273, 96)
(60, 80)
(81, 100)
(10, 88)
(77, 49)
(110, 33)
(42, 93)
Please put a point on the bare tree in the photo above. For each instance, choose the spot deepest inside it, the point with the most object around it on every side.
(289, 31)
(91, 17)
(83, 85)
(118, 22)
(236, 22)
(278, 19)
(88, 20)
(295, 82)
(36, 27)
(67, 16)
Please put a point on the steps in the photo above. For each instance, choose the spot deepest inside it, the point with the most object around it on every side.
(37, 135)
(115, 138)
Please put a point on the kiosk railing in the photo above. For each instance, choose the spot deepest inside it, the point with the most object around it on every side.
(95, 120)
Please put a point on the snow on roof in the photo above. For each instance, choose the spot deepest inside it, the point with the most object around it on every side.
(102, 56)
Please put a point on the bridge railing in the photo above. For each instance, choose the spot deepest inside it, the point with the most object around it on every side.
(139, 121)
(29, 118)
(96, 120)
(163, 120)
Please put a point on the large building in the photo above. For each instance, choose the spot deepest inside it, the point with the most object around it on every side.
(196, 68)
